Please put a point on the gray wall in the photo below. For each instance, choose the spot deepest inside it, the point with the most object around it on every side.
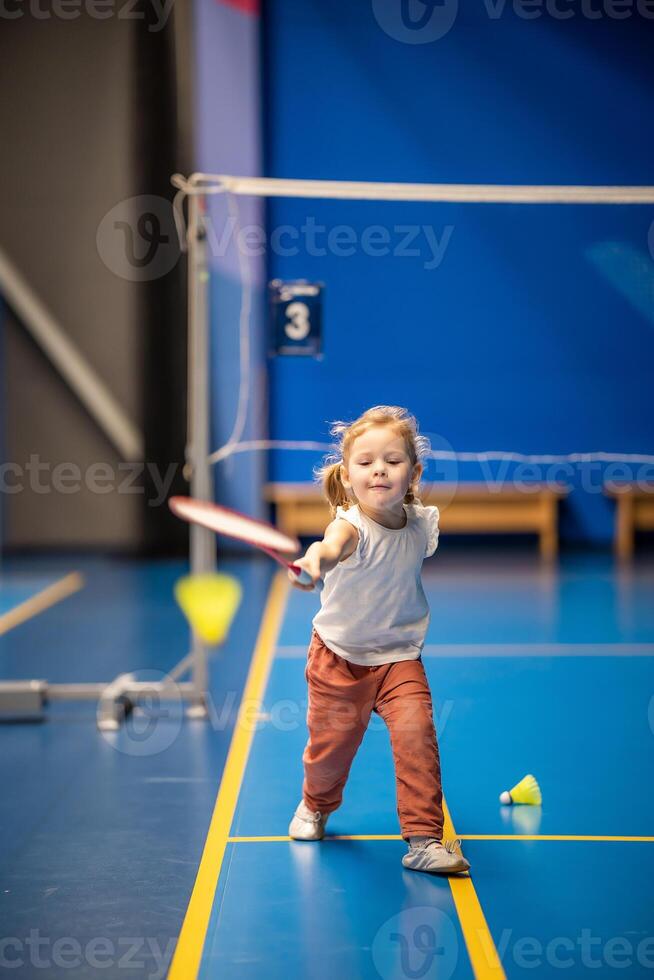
(65, 121)
(67, 159)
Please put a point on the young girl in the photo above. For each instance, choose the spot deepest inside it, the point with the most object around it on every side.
(365, 651)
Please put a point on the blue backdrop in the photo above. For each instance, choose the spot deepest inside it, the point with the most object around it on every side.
(525, 328)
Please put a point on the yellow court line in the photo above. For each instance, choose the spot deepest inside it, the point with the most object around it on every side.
(573, 837)
(484, 958)
(42, 600)
(332, 837)
(325, 840)
(188, 952)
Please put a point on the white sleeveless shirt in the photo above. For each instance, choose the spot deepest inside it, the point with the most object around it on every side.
(373, 607)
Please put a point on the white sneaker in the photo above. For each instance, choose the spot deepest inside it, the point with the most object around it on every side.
(434, 857)
(307, 824)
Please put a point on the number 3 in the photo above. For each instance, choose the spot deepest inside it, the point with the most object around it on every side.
(297, 325)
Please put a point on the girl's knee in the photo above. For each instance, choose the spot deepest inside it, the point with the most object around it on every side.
(340, 718)
(414, 721)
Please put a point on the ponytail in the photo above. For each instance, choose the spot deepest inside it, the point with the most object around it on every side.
(332, 485)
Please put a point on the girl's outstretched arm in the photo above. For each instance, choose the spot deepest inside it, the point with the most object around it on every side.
(339, 541)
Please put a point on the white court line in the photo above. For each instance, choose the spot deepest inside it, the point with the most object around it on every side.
(539, 650)
(510, 650)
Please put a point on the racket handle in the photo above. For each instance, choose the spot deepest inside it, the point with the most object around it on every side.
(304, 578)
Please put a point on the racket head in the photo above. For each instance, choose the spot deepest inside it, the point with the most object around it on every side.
(233, 524)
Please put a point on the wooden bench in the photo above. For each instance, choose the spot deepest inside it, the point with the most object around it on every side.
(634, 512)
(464, 508)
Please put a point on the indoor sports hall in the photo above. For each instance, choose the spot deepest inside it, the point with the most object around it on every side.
(327, 489)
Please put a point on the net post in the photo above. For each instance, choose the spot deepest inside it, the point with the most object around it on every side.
(202, 541)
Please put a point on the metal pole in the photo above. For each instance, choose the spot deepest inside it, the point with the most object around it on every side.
(202, 541)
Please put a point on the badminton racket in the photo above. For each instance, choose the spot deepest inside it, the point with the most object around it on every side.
(232, 524)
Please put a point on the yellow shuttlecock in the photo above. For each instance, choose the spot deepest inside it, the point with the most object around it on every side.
(209, 602)
(526, 791)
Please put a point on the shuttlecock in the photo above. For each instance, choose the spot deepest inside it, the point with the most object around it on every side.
(526, 791)
(209, 602)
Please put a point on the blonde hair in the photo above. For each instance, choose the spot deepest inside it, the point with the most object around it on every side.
(329, 474)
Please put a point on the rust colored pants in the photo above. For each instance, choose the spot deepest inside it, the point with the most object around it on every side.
(342, 696)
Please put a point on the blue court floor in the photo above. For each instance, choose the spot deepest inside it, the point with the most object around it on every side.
(112, 856)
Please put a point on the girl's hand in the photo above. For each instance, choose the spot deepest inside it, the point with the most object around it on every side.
(311, 564)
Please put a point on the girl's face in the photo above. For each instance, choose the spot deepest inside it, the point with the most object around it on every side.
(379, 470)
